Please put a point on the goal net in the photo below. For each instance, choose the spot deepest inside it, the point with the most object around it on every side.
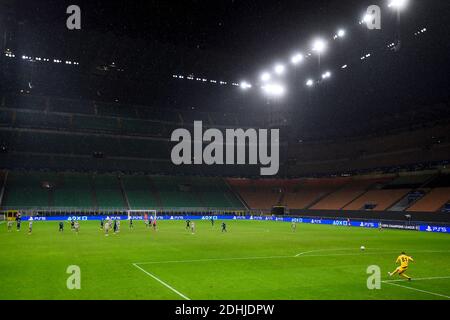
(142, 214)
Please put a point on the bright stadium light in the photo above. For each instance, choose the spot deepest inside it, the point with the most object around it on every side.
(319, 46)
(279, 69)
(265, 76)
(341, 33)
(367, 18)
(274, 89)
(310, 82)
(398, 4)
(297, 58)
(326, 75)
(245, 85)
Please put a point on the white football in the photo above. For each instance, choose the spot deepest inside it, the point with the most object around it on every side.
(363, 248)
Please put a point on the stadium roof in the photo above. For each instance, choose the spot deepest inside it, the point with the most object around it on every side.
(131, 50)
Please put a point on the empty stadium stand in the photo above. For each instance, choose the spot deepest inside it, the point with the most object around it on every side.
(352, 197)
(118, 156)
(309, 192)
(138, 191)
(73, 190)
(37, 130)
(433, 201)
(378, 200)
(258, 194)
(350, 191)
(438, 196)
(108, 191)
(45, 190)
(26, 190)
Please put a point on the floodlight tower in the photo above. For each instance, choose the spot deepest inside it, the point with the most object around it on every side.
(272, 91)
(398, 5)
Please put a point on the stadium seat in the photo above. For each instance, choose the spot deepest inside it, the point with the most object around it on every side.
(108, 192)
(73, 190)
(343, 196)
(138, 192)
(378, 200)
(432, 201)
(95, 124)
(26, 190)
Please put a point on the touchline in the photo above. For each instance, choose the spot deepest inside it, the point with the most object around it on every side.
(211, 148)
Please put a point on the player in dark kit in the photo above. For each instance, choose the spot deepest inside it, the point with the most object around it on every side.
(61, 226)
(131, 223)
(224, 227)
(18, 221)
(102, 222)
(188, 224)
(72, 224)
(212, 221)
(115, 226)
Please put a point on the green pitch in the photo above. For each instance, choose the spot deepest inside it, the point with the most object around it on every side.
(254, 260)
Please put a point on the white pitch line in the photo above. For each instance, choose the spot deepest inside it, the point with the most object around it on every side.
(215, 259)
(368, 253)
(415, 289)
(301, 254)
(162, 282)
(322, 250)
(417, 279)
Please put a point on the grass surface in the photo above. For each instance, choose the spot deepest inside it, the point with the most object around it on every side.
(254, 260)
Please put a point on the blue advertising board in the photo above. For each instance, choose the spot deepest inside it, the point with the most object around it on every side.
(430, 228)
(339, 222)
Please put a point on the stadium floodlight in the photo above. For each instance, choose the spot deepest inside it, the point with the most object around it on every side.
(279, 69)
(297, 58)
(326, 75)
(341, 33)
(398, 4)
(368, 18)
(274, 89)
(245, 85)
(319, 46)
(310, 82)
(265, 76)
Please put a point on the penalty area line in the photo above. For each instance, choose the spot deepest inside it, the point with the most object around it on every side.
(162, 282)
(417, 279)
(214, 259)
(305, 254)
(415, 289)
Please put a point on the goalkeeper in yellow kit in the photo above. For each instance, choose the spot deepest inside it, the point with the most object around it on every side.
(404, 260)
